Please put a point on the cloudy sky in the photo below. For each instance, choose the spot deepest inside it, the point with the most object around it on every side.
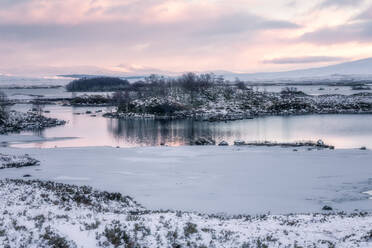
(183, 35)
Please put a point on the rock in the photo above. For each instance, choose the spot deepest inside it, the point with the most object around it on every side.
(88, 112)
(223, 143)
(327, 208)
(363, 148)
(239, 143)
(17, 161)
(204, 141)
(320, 143)
(93, 115)
(27, 175)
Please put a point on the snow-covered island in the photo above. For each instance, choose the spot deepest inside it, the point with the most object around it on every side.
(207, 97)
(14, 121)
(14, 161)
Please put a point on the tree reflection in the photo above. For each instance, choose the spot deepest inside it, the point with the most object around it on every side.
(148, 132)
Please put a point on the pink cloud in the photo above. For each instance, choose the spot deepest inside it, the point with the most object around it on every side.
(171, 35)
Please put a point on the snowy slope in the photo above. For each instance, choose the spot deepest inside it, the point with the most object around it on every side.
(45, 214)
(355, 69)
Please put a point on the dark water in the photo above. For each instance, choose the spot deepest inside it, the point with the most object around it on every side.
(343, 131)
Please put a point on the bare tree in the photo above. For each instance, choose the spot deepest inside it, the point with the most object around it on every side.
(122, 100)
(240, 84)
(38, 106)
(3, 108)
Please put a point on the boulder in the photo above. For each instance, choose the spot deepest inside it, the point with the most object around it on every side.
(320, 143)
(239, 142)
(223, 143)
(327, 208)
(204, 141)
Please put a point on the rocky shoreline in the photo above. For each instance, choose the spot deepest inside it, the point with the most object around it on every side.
(208, 141)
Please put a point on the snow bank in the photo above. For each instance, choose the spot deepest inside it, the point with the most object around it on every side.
(46, 214)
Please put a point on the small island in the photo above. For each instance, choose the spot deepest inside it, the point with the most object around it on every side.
(208, 97)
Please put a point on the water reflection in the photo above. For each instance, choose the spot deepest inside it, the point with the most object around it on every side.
(156, 132)
(343, 131)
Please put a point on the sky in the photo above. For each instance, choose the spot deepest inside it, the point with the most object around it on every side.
(138, 36)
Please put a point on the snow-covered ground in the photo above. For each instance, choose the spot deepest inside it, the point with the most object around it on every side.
(45, 214)
(233, 180)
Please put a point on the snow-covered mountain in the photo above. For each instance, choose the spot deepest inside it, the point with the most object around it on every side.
(354, 69)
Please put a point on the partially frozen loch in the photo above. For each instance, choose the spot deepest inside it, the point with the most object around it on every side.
(231, 180)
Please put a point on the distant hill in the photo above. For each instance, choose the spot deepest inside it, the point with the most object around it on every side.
(354, 69)
(80, 76)
(351, 71)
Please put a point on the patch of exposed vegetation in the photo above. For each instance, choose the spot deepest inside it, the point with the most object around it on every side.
(91, 100)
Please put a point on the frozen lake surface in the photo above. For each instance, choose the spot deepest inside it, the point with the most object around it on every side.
(214, 179)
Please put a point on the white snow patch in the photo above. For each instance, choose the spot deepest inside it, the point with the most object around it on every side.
(69, 178)
(368, 193)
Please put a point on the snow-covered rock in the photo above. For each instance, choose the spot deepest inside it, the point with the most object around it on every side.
(239, 142)
(204, 141)
(14, 161)
(223, 143)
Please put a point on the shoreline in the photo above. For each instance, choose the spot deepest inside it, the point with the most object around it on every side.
(135, 116)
